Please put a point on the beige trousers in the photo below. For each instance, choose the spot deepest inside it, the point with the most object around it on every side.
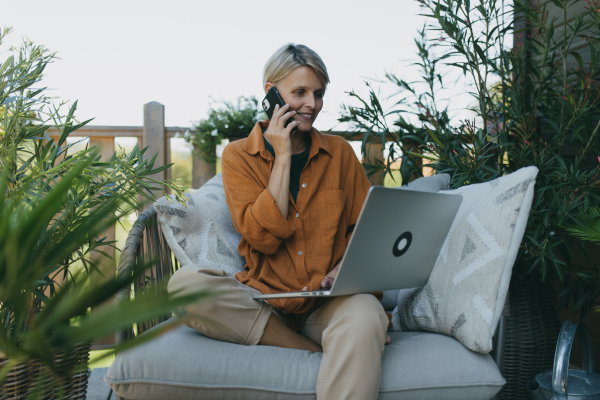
(351, 329)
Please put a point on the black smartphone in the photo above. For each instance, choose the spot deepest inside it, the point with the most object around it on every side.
(271, 99)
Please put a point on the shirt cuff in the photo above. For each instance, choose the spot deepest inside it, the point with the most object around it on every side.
(268, 215)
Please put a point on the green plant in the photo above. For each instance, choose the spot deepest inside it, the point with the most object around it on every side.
(230, 120)
(54, 205)
(536, 104)
(587, 226)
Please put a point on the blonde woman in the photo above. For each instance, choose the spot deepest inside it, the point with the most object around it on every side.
(294, 198)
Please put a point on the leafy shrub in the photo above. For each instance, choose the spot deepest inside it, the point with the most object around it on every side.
(537, 104)
(55, 203)
(230, 120)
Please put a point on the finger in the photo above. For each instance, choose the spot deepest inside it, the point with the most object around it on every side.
(291, 126)
(388, 339)
(280, 110)
(288, 115)
(274, 116)
(283, 119)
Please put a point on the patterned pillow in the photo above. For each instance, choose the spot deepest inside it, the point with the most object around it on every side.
(466, 291)
(202, 231)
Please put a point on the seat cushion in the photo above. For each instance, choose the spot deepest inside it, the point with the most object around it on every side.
(183, 364)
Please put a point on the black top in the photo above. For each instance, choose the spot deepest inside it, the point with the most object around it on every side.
(298, 163)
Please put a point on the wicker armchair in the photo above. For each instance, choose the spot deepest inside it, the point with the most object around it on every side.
(146, 242)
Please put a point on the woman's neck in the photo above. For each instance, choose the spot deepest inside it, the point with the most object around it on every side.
(298, 142)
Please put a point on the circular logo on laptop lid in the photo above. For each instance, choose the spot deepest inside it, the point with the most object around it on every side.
(402, 244)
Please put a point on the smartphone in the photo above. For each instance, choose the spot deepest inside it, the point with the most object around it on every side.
(271, 99)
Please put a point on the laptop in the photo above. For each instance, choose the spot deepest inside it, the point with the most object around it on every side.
(396, 241)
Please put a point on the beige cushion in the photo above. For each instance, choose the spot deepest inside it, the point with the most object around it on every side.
(201, 232)
(466, 291)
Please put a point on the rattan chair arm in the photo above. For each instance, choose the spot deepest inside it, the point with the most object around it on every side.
(128, 260)
(130, 251)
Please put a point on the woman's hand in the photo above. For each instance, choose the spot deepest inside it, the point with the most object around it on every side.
(279, 135)
(327, 282)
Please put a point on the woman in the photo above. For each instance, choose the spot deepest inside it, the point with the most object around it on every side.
(294, 198)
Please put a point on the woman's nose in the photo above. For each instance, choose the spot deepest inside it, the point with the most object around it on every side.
(310, 101)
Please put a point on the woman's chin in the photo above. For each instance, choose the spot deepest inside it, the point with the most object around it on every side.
(305, 126)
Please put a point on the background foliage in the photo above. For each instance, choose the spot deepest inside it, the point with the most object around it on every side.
(54, 205)
(229, 120)
(536, 103)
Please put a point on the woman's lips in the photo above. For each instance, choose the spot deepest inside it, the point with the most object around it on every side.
(305, 116)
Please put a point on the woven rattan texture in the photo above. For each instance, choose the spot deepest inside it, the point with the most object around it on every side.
(146, 245)
(23, 378)
(531, 335)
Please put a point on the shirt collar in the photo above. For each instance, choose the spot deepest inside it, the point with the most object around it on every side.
(255, 144)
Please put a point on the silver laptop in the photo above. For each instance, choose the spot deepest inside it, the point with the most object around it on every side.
(395, 243)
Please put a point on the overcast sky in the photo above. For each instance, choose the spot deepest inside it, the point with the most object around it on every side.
(116, 56)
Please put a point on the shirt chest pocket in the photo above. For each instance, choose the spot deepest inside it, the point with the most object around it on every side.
(326, 217)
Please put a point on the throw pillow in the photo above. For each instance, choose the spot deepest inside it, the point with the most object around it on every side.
(201, 232)
(432, 184)
(466, 291)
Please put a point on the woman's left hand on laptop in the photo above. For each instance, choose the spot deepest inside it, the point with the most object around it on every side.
(327, 282)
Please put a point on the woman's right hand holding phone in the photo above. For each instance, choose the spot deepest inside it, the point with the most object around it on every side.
(278, 134)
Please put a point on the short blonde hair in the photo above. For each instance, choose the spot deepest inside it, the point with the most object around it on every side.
(290, 57)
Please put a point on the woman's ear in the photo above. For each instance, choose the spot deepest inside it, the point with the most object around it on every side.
(268, 86)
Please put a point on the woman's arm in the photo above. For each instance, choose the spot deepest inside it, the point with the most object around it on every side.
(280, 138)
(279, 183)
(254, 211)
(259, 214)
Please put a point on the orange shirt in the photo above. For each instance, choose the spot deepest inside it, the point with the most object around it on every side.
(295, 252)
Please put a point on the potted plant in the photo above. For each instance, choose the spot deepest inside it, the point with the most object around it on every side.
(54, 205)
(536, 103)
(230, 121)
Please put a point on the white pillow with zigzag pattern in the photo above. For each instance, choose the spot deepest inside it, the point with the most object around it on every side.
(466, 291)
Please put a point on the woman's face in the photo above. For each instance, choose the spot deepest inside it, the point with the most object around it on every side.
(303, 91)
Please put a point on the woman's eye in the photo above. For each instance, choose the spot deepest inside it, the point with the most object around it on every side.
(319, 95)
(299, 92)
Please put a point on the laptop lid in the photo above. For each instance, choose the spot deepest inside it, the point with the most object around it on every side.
(396, 240)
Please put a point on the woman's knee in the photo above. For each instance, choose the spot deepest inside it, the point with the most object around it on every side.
(192, 278)
(362, 314)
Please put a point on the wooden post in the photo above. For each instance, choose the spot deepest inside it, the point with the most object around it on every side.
(202, 171)
(153, 135)
(106, 148)
(374, 156)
